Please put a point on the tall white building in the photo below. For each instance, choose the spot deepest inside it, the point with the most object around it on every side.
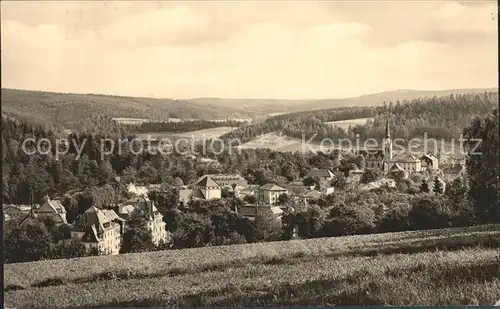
(99, 230)
(156, 225)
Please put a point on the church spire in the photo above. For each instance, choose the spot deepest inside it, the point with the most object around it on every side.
(387, 139)
(387, 127)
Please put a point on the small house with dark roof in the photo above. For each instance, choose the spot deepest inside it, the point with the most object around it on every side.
(429, 161)
(270, 193)
(54, 210)
(251, 211)
(248, 191)
(15, 212)
(395, 169)
(297, 188)
(31, 219)
(323, 174)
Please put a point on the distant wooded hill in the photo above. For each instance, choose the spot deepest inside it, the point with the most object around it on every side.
(277, 105)
(67, 109)
(440, 117)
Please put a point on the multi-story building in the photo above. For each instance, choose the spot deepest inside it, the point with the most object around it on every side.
(408, 162)
(228, 181)
(99, 230)
(156, 225)
(270, 193)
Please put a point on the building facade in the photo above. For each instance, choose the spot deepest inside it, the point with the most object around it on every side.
(270, 193)
(156, 225)
(408, 162)
(205, 188)
(228, 181)
(99, 230)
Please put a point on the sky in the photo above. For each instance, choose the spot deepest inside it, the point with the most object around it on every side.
(248, 49)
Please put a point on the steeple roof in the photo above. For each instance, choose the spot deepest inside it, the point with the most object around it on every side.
(387, 127)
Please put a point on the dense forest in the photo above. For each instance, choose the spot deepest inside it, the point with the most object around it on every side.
(179, 127)
(440, 117)
(67, 109)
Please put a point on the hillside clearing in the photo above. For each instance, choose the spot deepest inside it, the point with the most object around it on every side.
(199, 134)
(276, 141)
(344, 124)
(302, 272)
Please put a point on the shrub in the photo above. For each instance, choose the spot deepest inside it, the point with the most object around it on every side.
(430, 212)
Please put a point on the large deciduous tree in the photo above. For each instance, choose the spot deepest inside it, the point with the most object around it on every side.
(483, 167)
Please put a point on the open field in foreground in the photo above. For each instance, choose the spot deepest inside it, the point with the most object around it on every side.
(200, 134)
(435, 267)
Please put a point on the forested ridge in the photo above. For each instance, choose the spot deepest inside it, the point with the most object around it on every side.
(67, 109)
(440, 117)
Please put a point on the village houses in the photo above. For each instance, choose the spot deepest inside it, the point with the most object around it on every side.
(50, 209)
(383, 158)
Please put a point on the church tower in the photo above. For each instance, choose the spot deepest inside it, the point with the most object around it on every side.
(387, 141)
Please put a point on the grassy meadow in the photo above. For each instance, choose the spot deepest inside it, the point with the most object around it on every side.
(198, 135)
(434, 267)
(344, 124)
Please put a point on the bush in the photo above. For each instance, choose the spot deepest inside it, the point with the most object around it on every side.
(396, 218)
(430, 212)
(349, 219)
(370, 175)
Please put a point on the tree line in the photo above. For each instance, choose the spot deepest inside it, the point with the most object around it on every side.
(439, 117)
(179, 127)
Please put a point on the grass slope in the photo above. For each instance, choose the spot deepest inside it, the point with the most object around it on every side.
(197, 135)
(344, 124)
(279, 142)
(64, 109)
(435, 267)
